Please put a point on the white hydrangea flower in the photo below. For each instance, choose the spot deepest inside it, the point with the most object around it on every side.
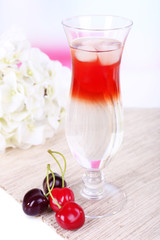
(11, 98)
(33, 93)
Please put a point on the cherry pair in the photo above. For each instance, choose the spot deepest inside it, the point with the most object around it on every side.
(69, 215)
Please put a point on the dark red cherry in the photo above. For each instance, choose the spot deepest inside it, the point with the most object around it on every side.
(58, 182)
(34, 202)
(70, 216)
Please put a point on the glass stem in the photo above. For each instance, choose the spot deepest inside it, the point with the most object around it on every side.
(93, 184)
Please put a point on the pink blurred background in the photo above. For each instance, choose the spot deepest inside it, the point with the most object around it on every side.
(140, 69)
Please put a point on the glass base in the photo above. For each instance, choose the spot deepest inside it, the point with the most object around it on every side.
(110, 202)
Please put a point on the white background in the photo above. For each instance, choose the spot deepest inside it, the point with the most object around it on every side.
(140, 69)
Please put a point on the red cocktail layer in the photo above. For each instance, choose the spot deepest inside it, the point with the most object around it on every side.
(93, 81)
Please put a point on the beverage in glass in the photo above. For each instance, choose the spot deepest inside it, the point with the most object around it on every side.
(94, 116)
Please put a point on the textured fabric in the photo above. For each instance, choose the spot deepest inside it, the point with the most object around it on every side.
(135, 168)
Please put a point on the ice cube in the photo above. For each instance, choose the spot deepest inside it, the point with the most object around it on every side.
(107, 45)
(109, 51)
(109, 57)
(86, 54)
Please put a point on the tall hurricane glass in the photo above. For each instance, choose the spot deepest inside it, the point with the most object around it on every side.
(94, 116)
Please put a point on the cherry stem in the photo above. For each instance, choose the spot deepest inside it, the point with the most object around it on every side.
(62, 171)
(50, 193)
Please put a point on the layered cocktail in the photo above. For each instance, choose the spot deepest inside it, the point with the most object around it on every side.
(94, 115)
(94, 100)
